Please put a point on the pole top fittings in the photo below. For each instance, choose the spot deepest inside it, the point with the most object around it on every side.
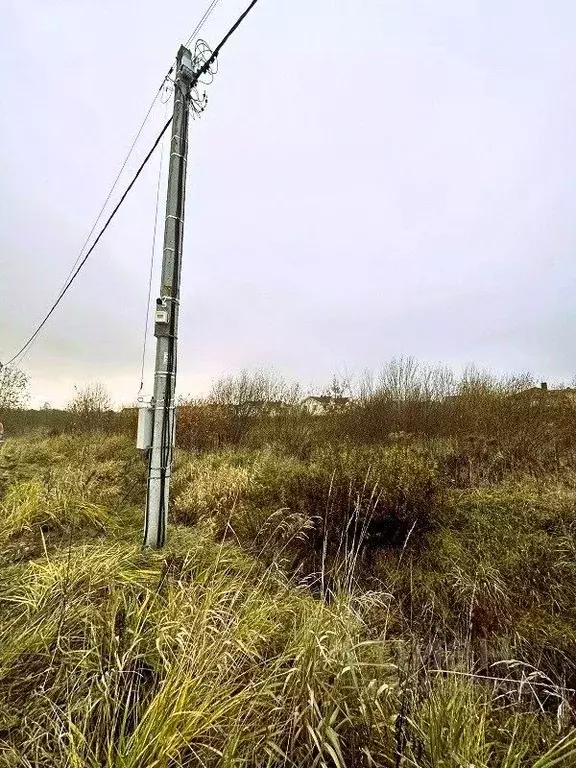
(184, 67)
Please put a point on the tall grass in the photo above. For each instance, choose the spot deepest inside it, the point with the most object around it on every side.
(202, 657)
(287, 623)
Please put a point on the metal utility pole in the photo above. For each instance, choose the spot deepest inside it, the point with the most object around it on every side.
(166, 317)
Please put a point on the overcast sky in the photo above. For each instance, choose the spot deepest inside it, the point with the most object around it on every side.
(371, 178)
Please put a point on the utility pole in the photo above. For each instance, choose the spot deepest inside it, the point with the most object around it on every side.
(166, 316)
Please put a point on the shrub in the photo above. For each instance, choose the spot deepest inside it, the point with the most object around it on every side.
(368, 498)
(344, 502)
(201, 426)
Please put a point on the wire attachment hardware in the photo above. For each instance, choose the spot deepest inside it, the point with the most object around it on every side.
(204, 67)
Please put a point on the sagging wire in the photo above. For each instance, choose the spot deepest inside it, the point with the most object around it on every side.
(205, 66)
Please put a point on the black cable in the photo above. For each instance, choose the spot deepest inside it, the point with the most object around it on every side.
(115, 182)
(198, 27)
(94, 244)
(113, 187)
(224, 40)
(194, 82)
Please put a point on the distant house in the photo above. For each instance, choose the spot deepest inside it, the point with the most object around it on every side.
(322, 404)
(538, 396)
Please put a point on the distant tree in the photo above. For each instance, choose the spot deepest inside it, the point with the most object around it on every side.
(340, 386)
(245, 390)
(93, 398)
(249, 396)
(90, 404)
(13, 387)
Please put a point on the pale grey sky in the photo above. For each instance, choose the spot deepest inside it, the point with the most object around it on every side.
(371, 178)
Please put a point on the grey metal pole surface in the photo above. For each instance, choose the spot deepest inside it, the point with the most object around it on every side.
(166, 316)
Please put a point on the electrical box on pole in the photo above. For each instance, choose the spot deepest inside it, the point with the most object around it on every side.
(162, 421)
(145, 425)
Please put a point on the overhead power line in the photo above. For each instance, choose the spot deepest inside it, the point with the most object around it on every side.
(229, 34)
(94, 244)
(206, 66)
(197, 75)
(203, 20)
(115, 182)
(197, 29)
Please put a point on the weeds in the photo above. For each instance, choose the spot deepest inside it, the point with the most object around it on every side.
(280, 627)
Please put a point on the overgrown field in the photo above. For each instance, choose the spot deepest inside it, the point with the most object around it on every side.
(408, 601)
